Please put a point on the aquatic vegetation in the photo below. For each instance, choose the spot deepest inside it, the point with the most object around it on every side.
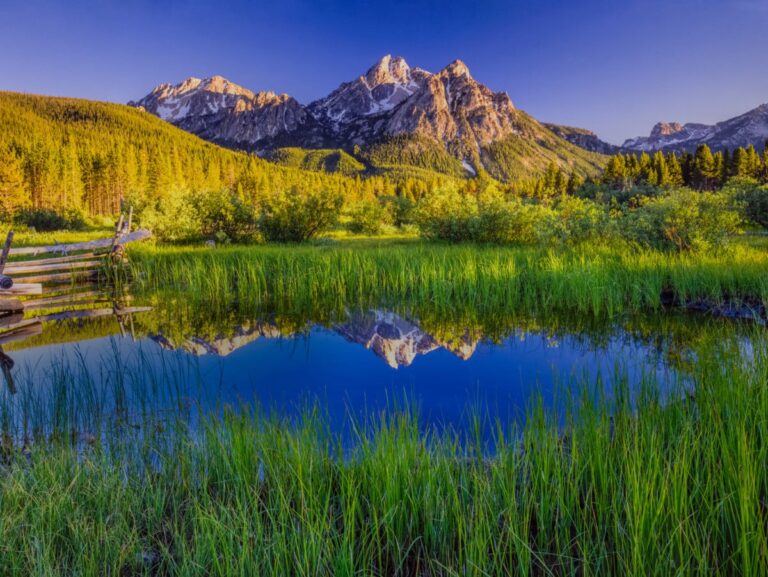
(595, 280)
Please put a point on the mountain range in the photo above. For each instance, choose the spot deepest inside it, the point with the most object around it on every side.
(395, 114)
(743, 130)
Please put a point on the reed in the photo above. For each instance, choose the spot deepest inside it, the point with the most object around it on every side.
(131, 479)
(592, 280)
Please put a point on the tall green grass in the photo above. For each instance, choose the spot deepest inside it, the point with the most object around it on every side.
(97, 481)
(592, 280)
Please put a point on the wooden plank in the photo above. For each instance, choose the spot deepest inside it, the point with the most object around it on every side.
(80, 246)
(65, 304)
(75, 257)
(11, 320)
(17, 271)
(61, 278)
(11, 305)
(81, 314)
(31, 330)
(62, 299)
(20, 289)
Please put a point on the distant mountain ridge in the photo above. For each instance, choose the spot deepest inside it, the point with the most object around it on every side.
(743, 130)
(449, 110)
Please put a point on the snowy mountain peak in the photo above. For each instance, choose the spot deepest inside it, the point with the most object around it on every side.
(457, 69)
(666, 128)
(388, 70)
(743, 130)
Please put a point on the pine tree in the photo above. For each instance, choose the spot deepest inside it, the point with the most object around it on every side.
(704, 174)
(675, 170)
(13, 193)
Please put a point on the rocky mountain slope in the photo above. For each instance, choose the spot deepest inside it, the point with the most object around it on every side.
(583, 138)
(748, 128)
(447, 111)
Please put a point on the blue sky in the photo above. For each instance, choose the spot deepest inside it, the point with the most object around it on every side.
(615, 67)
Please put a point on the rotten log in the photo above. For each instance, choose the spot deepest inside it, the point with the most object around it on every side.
(25, 289)
(29, 268)
(81, 246)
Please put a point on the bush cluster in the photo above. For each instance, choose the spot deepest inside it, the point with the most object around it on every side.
(676, 220)
(46, 220)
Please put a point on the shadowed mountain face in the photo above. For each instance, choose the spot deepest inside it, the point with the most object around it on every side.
(448, 108)
(749, 128)
(583, 138)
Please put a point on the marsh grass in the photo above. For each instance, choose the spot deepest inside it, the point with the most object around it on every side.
(591, 280)
(100, 481)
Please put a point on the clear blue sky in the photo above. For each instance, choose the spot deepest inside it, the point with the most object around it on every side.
(614, 66)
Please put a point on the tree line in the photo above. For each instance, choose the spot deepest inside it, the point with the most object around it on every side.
(72, 155)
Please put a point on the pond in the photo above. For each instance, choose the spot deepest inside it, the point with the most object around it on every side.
(451, 366)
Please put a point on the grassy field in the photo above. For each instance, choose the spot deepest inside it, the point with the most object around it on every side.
(94, 482)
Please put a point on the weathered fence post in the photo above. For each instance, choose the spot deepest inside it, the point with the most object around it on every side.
(6, 282)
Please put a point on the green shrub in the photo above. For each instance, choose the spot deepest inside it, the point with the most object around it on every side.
(369, 217)
(223, 216)
(296, 216)
(752, 197)
(171, 218)
(682, 220)
(579, 220)
(446, 214)
(489, 217)
(45, 220)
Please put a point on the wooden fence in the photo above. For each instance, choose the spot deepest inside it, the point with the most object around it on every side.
(43, 284)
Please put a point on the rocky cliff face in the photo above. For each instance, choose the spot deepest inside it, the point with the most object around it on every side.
(743, 130)
(390, 99)
(221, 111)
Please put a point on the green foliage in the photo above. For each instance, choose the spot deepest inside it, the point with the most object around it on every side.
(412, 151)
(325, 160)
(753, 198)
(683, 220)
(528, 154)
(224, 216)
(44, 220)
(369, 217)
(295, 216)
(578, 220)
(701, 171)
(13, 193)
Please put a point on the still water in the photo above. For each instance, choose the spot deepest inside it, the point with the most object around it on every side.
(363, 362)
